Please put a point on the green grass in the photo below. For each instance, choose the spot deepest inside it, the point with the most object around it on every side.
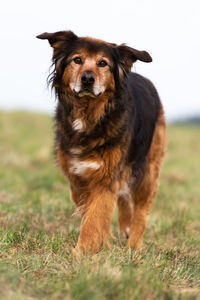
(38, 231)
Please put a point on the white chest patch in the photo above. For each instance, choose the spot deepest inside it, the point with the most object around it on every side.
(78, 125)
(79, 167)
(76, 150)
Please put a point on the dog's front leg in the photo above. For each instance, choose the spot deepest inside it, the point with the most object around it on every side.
(95, 229)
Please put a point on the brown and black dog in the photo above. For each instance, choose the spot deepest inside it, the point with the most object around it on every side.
(110, 135)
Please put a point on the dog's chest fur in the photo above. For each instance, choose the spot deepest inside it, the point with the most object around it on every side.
(107, 138)
(92, 139)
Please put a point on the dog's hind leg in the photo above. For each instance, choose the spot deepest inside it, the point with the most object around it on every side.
(125, 213)
(142, 201)
(145, 191)
(143, 196)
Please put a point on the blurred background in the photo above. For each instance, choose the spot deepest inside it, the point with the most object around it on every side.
(168, 30)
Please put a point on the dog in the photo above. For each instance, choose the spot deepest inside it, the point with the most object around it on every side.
(110, 135)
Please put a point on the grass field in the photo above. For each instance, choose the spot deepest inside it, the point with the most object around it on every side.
(38, 231)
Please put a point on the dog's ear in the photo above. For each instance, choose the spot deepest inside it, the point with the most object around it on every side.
(129, 55)
(56, 37)
(60, 41)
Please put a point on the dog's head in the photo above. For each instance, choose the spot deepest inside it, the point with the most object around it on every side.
(87, 67)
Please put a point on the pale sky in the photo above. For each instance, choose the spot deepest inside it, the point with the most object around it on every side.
(169, 30)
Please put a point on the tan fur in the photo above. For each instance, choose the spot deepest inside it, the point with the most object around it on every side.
(96, 194)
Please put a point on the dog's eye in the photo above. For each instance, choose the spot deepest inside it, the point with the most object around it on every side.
(102, 64)
(78, 60)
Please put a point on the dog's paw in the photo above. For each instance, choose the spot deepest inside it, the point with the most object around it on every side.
(125, 232)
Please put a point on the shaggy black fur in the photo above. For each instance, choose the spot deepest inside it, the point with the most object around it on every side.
(135, 100)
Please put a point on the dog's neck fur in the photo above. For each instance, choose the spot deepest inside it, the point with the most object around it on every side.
(88, 110)
(103, 122)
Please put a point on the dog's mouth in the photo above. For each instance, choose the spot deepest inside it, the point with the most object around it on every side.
(86, 93)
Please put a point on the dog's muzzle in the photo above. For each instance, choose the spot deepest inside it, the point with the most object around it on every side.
(87, 82)
(87, 85)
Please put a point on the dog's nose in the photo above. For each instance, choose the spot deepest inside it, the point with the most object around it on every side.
(87, 78)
